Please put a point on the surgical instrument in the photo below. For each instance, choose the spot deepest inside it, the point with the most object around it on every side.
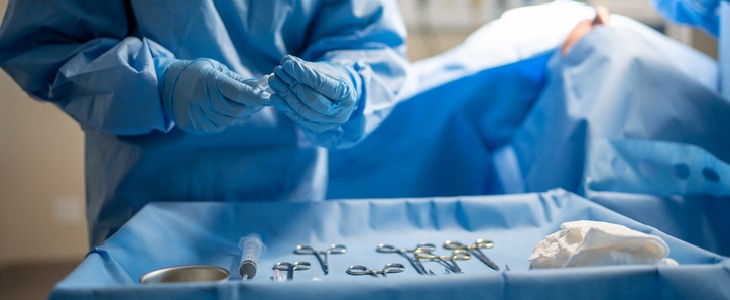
(383, 248)
(334, 249)
(252, 248)
(290, 268)
(389, 268)
(456, 255)
(475, 250)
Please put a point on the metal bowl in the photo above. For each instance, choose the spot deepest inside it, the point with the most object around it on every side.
(185, 274)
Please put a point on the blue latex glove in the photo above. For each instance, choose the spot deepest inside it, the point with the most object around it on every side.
(319, 96)
(702, 13)
(204, 96)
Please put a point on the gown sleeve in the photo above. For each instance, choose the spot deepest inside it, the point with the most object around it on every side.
(82, 56)
(367, 38)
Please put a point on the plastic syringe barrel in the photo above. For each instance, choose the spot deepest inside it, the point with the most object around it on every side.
(252, 248)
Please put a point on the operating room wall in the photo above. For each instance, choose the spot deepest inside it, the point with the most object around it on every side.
(436, 25)
(41, 179)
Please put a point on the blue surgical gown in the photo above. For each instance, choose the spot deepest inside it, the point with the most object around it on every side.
(704, 14)
(94, 60)
(711, 15)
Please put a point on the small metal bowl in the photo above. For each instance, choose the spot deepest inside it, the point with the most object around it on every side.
(185, 274)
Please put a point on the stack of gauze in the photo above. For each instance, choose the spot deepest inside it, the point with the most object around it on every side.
(590, 243)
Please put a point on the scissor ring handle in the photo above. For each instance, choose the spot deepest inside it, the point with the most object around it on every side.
(282, 266)
(460, 255)
(358, 270)
(423, 254)
(304, 249)
(484, 244)
(454, 245)
(393, 268)
(302, 265)
(337, 249)
(425, 246)
(384, 248)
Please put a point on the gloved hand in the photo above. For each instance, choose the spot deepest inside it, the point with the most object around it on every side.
(319, 96)
(204, 96)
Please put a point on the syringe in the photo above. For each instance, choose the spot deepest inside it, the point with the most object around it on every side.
(252, 248)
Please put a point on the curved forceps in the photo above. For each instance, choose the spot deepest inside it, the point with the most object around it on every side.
(389, 268)
(456, 255)
(290, 268)
(475, 250)
(383, 248)
(334, 249)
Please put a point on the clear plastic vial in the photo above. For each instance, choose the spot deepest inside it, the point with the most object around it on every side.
(263, 83)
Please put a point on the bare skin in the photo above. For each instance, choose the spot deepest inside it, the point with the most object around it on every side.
(583, 28)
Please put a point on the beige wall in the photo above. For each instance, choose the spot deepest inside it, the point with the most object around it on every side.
(41, 179)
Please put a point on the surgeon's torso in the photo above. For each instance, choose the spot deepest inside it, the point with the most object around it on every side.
(265, 157)
(248, 36)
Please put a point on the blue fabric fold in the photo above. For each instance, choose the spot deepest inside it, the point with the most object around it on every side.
(171, 234)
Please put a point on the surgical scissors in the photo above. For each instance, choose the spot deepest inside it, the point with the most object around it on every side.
(389, 268)
(334, 249)
(290, 268)
(383, 248)
(456, 255)
(475, 250)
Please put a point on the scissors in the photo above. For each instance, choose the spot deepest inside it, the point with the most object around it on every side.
(474, 249)
(290, 268)
(383, 248)
(334, 249)
(389, 268)
(456, 255)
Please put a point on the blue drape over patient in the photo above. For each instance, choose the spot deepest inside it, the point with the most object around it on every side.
(522, 121)
(95, 60)
(627, 111)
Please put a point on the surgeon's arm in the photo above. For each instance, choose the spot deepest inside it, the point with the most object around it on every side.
(701, 13)
(367, 39)
(77, 54)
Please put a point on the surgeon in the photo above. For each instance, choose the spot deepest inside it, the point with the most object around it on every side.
(711, 15)
(169, 97)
